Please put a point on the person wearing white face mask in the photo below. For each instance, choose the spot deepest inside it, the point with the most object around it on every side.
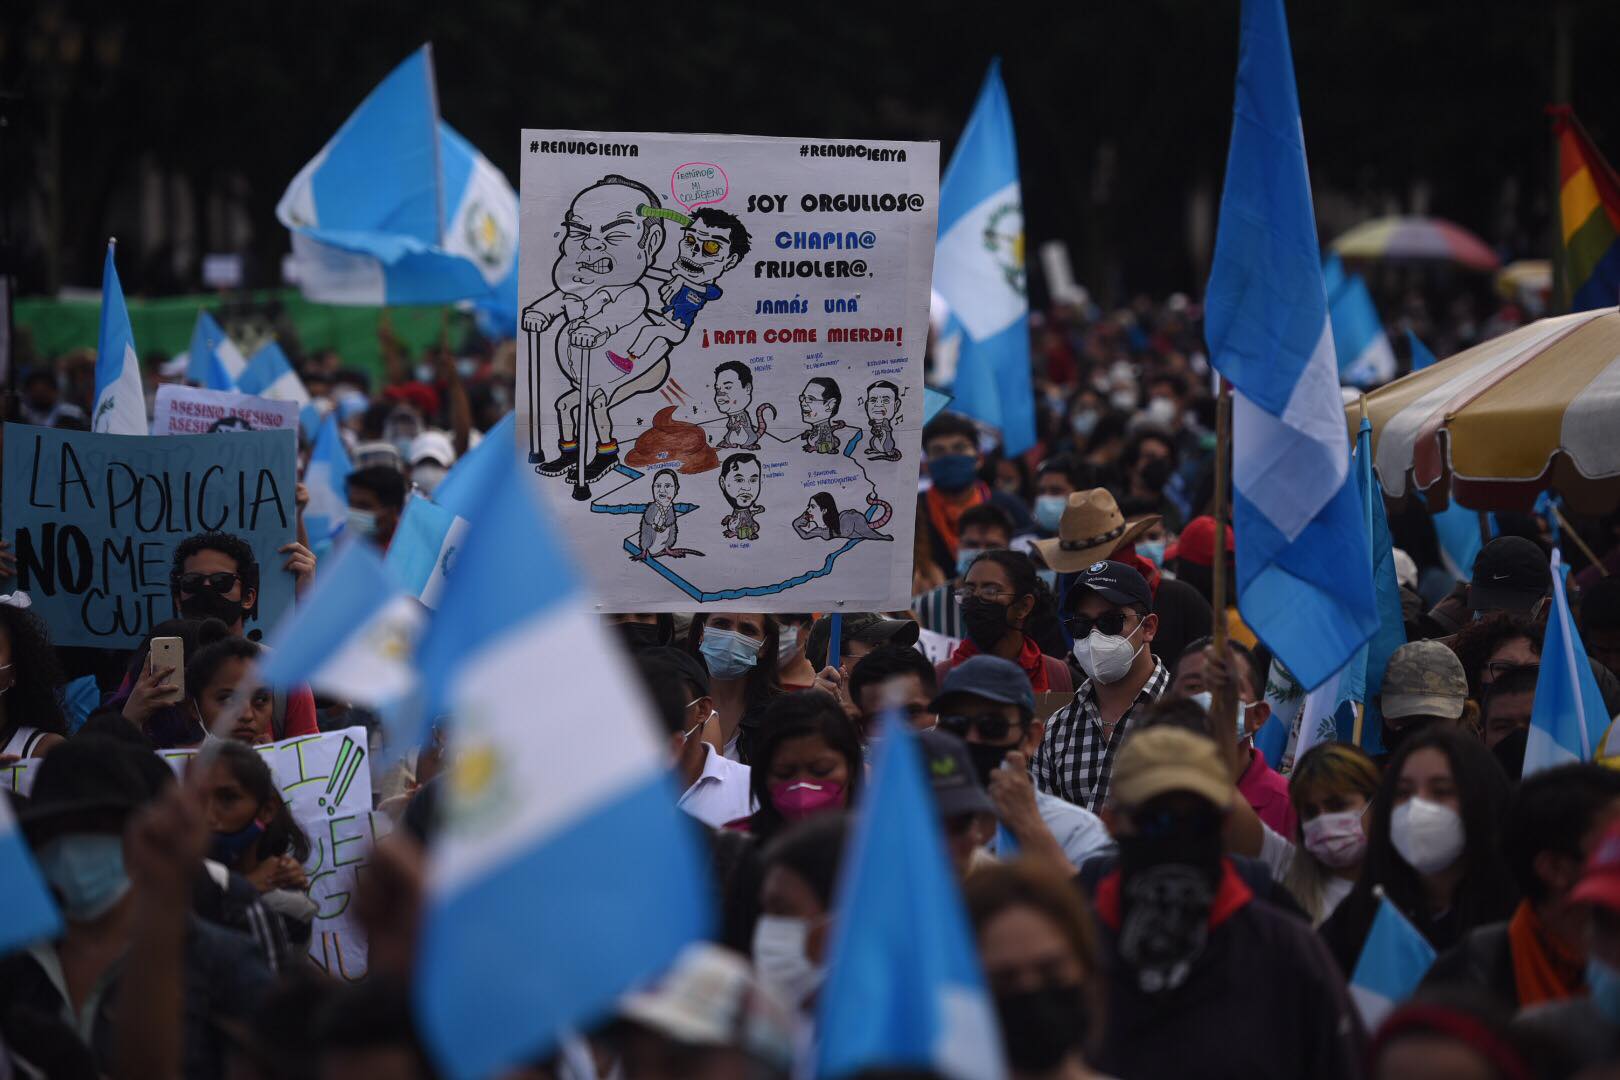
(431, 457)
(1433, 846)
(714, 789)
(1110, 615)
(792, 666)
(376, 497)
(792, 934)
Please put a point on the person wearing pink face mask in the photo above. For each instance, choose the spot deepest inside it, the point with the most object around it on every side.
(1331, 788)
(807, 761)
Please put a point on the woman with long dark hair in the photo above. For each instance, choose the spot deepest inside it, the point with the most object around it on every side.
(807, 760)
(1432, 846)
(1001, 596)
(31, 719)
(740, 651)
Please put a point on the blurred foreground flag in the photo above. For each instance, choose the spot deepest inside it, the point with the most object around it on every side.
(468, 479)
(1304, 585)
(269, 374)
(399, 209)
(352, 639)
(326, 478)
(213, 361)
(1568, 719)
(1588, 217)
(30, 913)
(904, 988)
(1393, 961)
(562, 874)
(979, 271)
(424, 546)
(120, 398)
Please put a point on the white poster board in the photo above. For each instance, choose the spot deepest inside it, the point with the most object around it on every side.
(326, 780)
(192, 410)
(746, 318)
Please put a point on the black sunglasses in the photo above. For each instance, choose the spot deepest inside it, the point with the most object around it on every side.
(221, 583)
(1111, 623)
(993, 728)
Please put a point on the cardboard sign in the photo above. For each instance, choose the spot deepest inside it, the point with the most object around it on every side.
(94, 520)
(192, 410)
(719, 384)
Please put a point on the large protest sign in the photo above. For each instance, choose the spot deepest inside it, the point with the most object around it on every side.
(193, 410)
(94, 520)
(743, 320)
(326, 780)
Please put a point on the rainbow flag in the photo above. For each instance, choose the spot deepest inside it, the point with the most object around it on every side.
(1589, 216)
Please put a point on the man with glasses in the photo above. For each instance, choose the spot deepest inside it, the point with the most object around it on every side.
(1109, 613)
(714, 789)
(987, 703)
(818, 405)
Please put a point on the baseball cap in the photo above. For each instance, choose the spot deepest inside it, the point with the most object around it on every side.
(1196, 544)
(952, 776)
(433, 446)
(991, 678)
(1115, 582)
(1157, 760)
(90, 784)
(866, 626)
(1424, 678)
(1600, 881)
(710, 997)
(1510, 574)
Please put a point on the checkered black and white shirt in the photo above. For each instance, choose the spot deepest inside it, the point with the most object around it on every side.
(1075, 761)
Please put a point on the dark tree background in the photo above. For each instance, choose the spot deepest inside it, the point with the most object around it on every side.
(1122, 107)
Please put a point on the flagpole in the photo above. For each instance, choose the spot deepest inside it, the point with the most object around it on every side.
(1222, 705)
(1360, 707)
(1563, 523)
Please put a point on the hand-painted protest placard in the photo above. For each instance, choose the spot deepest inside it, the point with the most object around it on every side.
(193, 410)
(719, 384)
(326, 780)
(94, 520)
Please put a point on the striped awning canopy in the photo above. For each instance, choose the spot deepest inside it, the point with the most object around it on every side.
(1494, 425)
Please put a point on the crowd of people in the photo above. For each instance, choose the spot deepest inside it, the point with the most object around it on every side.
(1150, 893)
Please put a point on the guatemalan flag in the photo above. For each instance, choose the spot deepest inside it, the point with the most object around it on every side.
(1393, 961)
(904, 987)
(269, 374)
(424, 548)
(979, 271)
(30, 914)
(1568, 719)
(562, 874)
(1363, 349)
(120, 399)
(399, 209)
(326, 477)
(352, 638)
(1304, 585)
(468, 481)
(213, 361)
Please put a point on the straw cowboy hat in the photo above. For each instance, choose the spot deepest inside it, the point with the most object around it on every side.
(1091, 529)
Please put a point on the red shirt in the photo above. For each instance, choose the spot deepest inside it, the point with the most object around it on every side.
(1265, 789)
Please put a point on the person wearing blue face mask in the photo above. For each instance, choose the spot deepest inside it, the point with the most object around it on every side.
(740, 652)
(120, 853)
(951, 447)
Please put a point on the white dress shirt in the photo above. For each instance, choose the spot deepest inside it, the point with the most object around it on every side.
(721, 793)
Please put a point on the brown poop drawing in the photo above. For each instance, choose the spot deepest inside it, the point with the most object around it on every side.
(671, 440)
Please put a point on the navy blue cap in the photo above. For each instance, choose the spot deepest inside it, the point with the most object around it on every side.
(991, 678)
(1115, 582)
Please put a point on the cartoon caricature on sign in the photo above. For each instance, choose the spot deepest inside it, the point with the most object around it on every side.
(685, 302)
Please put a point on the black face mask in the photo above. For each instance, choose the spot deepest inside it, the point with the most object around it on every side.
(1155, 474)
(1168, 884)
(1038, 1027)
(211, 605)
(1510, 753)
(985, 622)
(641, 635)
(986, 760)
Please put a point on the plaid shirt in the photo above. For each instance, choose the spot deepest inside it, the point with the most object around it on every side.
(1075, 761)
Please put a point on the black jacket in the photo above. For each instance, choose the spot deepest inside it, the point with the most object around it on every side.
(1483, 959)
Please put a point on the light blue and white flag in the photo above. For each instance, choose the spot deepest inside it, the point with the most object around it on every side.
(269, 374)
(1363, 349)
(1366, 678)
(30, 912)
(1568, 719)
(562, 874)
(1422, 357)
(399, 209)
(214, 361)
(1393, 961)
(120, 399)
(326, 477)
(352, 638)
(423, 551)
(979, 271)
(1303, 586)
(467, 481)
(904, 988)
